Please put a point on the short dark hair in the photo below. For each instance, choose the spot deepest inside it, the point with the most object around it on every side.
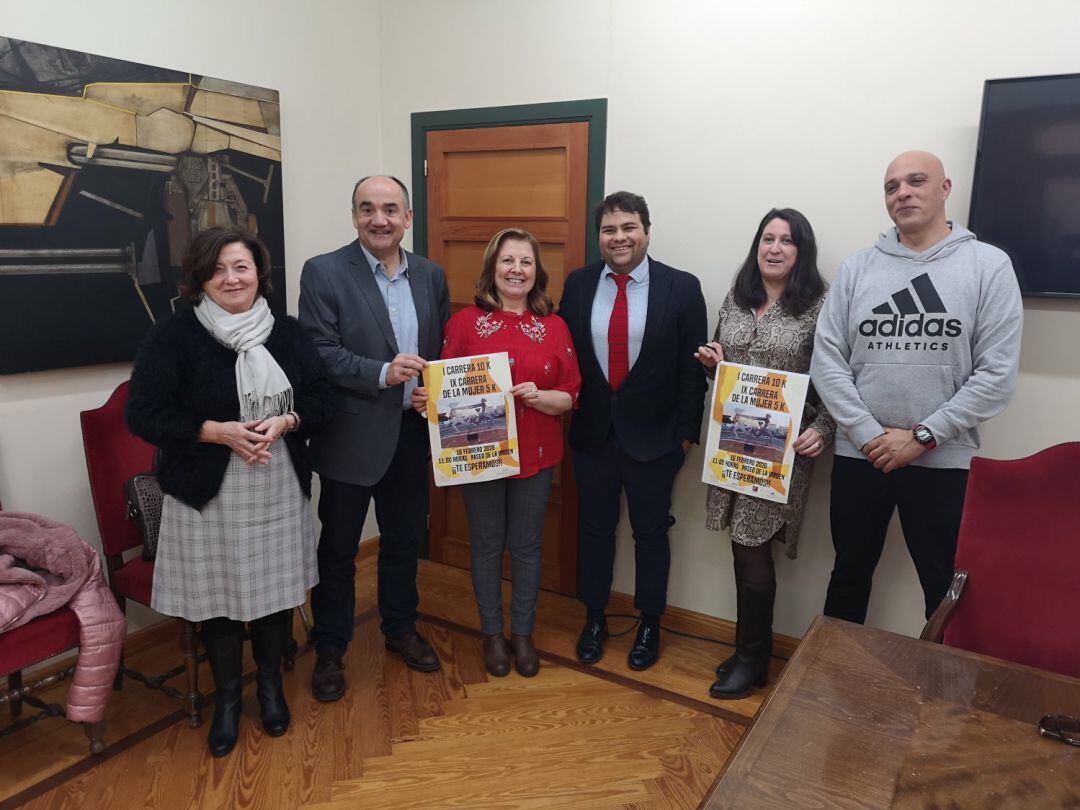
(404, 190)
(487, 296)
(625, 201)
(200, 262)
(805, 284)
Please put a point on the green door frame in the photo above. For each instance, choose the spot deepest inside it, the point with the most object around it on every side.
(593, 110)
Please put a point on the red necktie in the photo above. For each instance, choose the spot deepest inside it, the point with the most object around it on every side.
(617, 335)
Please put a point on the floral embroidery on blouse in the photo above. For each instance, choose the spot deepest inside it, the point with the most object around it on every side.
(534, 331)
(547, 367)
(487, 325)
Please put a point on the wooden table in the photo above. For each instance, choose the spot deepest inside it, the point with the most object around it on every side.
(866, 718)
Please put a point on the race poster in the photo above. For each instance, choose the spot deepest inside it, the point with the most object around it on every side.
(754, 420)
(470, 415)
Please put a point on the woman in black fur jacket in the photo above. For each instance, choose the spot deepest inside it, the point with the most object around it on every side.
(228, 392)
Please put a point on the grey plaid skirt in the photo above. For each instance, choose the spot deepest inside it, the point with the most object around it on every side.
(248, 553)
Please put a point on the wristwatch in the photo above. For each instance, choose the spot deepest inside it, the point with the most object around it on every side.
(924, 437)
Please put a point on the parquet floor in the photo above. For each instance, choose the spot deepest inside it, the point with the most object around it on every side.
(571, 737)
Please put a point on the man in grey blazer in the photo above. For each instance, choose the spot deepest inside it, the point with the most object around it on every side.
(376, 314)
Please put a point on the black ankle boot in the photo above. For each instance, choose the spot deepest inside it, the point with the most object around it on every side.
(269, 636)
(749, 667)
(224, 655)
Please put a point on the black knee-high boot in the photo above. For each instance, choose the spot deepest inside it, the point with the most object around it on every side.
(725, 665)
(224, 643)
(749, 667)
(269, 635)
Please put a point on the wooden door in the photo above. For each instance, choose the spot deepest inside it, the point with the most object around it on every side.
(480, 181)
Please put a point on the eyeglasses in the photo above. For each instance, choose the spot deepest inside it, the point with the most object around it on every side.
(1061, 727)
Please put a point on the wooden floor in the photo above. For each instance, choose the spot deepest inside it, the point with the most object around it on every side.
(573, 736)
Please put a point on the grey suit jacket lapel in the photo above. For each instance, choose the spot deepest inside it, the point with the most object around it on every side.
(364, 276)
(421, 295)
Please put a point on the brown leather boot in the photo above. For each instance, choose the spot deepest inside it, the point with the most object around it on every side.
(526, 661)
(496, 655)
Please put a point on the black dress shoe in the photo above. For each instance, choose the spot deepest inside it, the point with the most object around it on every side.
(590, 644)
(416, 651)
(646, 649)
(328, 679)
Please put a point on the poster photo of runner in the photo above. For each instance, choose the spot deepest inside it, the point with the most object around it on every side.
(753, 423)
(470, 415)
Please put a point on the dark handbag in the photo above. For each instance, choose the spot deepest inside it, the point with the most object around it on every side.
(144, 499)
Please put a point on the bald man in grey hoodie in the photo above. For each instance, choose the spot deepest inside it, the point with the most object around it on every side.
(918, 342)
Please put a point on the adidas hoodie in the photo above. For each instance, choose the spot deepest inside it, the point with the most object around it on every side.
(929, 338)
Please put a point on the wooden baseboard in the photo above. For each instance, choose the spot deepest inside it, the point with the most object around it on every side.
(699, 624)
(675, 618)
(368, 548)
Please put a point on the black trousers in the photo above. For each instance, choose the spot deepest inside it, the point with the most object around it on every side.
(863, 499)
(600, 480)
(401, 501)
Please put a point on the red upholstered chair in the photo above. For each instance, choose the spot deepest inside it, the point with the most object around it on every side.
(1017, 582)
(113, 455)
(32, 643)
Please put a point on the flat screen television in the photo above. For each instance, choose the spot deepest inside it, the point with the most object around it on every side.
(1026, 195)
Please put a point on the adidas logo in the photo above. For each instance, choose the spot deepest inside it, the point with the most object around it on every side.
(907, 320)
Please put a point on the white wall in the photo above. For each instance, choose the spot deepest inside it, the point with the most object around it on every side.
(322, 57)
(720, 110)
(717, 111)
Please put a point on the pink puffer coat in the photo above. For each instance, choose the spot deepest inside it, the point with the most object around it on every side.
(70, 574)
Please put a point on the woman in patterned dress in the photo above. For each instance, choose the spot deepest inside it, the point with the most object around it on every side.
(767, 319)
(513, 314)
(228, 392)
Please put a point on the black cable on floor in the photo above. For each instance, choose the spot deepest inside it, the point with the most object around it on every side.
(637, 621)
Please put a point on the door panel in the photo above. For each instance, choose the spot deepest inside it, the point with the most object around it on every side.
(480, 181)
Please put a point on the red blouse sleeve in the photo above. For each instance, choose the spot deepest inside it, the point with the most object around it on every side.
(569, 379)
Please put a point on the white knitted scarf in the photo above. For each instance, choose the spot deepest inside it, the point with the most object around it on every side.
(261, 385)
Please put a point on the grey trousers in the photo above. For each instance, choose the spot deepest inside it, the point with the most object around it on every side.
(507, 513)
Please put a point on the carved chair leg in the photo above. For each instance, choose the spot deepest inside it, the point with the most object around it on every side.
(306, 622)
(95, 732)
(192, 699)
(15, 683)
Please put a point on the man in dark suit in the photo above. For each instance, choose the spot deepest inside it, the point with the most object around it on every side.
(375, 313)
(636, 324)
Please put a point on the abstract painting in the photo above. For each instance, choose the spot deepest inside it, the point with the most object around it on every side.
(107, 170)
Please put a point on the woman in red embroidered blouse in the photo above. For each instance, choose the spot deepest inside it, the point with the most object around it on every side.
(513, 314)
